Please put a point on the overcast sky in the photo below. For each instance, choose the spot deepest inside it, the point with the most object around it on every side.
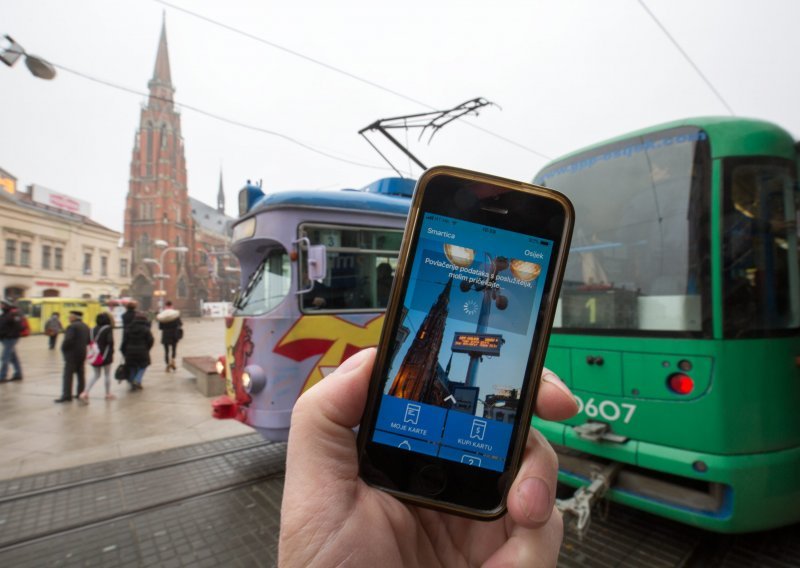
(565, 74)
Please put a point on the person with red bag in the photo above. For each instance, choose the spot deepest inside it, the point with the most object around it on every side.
(101, 357)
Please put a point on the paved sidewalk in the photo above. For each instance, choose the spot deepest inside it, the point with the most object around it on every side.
(38, 435)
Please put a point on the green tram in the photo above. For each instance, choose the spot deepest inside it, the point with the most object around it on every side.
(678, 325)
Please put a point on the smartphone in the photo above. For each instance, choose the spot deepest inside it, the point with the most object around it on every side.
(464, 340)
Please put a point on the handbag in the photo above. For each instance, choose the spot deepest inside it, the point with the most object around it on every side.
(122, 373)
(94, 356)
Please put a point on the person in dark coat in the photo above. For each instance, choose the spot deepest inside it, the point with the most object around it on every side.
(10, 332)
(103, 335)
(171, 326)
(127, 317)
(136, 345)
(73, 347)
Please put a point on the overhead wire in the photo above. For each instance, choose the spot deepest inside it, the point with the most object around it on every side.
(339, 70)
(217, 117)
(688, 59)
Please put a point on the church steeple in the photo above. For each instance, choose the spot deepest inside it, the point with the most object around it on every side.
(417, 377)
(157, 206)
(161, 83)
(221, 195)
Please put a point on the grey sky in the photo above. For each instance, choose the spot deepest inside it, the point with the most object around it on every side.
(566, 74)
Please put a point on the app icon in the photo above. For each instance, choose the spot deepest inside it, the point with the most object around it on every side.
(412, 413)
(478, 429)
(471, 460)
(404, 444)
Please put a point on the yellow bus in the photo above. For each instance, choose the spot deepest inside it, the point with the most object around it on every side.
(39, 310)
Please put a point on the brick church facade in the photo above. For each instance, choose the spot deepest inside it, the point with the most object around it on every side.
(160, 217)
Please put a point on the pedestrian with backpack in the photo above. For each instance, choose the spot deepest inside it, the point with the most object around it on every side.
(12, 324)
(100, 354)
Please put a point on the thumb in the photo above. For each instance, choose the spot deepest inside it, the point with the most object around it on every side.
(321, 439)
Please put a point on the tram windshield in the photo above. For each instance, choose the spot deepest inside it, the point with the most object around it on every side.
(760, 257)
(639, 257)
(361, 264)
(268, 285)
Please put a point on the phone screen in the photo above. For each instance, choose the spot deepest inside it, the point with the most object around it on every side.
(461, 349)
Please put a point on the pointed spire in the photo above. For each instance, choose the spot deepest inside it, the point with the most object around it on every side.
(221, 195)
(161, 73)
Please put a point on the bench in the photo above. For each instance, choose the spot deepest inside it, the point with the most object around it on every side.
(204, 369)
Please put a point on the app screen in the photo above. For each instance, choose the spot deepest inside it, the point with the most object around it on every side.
(461, 349)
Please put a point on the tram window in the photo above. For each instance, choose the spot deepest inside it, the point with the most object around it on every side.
(637, 260)
(25, 307)
(268, 285)
(361, 263)
(760, 260)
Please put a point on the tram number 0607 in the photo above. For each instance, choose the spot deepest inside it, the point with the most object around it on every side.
(606, 409)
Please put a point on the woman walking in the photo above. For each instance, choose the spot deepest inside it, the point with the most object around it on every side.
(169, 322)
(102, 335)
(136, 347)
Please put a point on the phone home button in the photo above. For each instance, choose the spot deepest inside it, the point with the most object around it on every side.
(431, 480)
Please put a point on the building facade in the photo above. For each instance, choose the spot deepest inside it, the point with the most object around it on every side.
(50, 251)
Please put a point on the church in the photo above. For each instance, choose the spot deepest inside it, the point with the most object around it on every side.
(180, 246)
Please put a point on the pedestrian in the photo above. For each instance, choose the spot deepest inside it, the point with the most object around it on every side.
(10, 332)
(171, 326)
(127, 317)
(136, 345)
(52, 328)
(76, 338)
(103, 336)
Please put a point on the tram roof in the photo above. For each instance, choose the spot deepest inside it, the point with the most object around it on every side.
(730, 135)
(387, 195)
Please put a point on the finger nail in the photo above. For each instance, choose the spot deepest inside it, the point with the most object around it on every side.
(534, 498)
(553, 379)
(353, 362)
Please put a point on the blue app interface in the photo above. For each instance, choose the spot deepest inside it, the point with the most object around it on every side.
(461, 349)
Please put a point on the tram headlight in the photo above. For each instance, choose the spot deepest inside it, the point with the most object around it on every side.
(221, 366)
(254, 379)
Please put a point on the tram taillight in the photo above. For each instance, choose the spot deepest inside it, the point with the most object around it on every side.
(680, 383)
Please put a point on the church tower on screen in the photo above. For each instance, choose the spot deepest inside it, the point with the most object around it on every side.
(418, 378)
(158, 213)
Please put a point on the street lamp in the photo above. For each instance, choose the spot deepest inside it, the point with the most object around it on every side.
(160, 265)
(11, 51)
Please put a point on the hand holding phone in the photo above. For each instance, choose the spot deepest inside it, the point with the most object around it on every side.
(463, 344)
(330, 517)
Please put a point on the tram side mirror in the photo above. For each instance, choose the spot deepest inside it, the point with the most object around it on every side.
(317, 262)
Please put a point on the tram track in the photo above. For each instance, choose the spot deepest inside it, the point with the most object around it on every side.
(636, 539)
(219, 503)
(123, 474)
(62, 515)
(113, 518)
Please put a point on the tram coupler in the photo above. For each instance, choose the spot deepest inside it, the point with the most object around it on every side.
(598, 431)
(577, 510)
